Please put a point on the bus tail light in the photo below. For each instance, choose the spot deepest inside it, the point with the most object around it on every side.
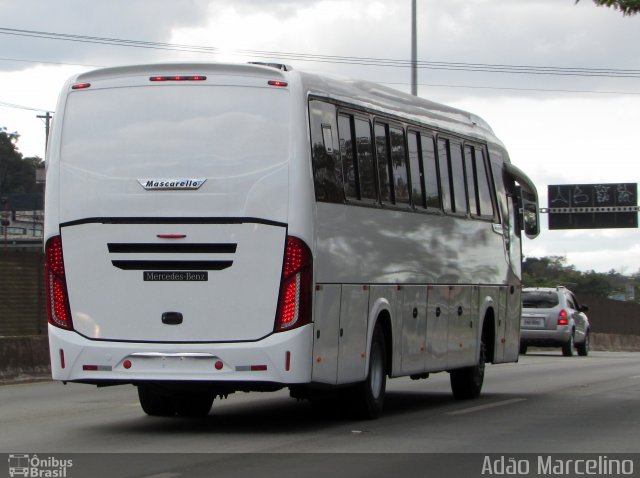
(57, 298)
(563, 318)
(294, 302)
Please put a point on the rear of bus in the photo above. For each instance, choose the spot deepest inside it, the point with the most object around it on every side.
(170, 256)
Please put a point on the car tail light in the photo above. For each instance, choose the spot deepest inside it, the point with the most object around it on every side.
(294, 302)
(58, 311)
(563, 318)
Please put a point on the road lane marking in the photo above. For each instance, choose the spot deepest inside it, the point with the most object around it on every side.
(486, 407)
(163, 475)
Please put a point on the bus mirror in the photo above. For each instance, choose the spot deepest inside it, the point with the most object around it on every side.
(531, 219)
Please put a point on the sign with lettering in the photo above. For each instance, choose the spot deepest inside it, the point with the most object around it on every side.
(593, 206)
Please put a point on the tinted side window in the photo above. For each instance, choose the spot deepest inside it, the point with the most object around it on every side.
(399, 166)
(416, 171)
(484, 190)
(383, 161)
(347, 152)
(469, 160)
(327, 168)
(457, 175)
(430, 171)
(443, 167)
(364, 154)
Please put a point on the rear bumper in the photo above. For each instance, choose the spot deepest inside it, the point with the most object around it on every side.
(281, 358)
(545, 338)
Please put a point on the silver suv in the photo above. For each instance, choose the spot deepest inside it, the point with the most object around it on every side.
(553, 317)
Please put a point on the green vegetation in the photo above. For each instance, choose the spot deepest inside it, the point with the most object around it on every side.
(627, 7)
(554, 270)
(17, 174)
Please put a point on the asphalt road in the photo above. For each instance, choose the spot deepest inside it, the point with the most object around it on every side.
(545, 404)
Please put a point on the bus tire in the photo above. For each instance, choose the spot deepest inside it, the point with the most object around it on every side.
(193, 404)
(368, 396)
(154, 403)
(466, 383)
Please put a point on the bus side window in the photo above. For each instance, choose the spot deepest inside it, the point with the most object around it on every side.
(347, 152)
(415, 167)
(443, 167)
(384, 163)
(470, 170)
(430, 170)
(327, 168)
(399, 166)
(484, 190)
(364, 154)
(457, 176)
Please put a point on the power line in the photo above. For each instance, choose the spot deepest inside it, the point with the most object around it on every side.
(22, 107)
(353, 60)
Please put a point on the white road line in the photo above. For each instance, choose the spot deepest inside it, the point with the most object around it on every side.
(485, 407)
(163, 475)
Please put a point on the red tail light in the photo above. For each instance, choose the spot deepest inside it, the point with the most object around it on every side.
(563, 318)
(58, 310)
(294, 303)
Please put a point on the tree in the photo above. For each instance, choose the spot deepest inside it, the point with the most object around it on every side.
(627, 7)
(17, 174)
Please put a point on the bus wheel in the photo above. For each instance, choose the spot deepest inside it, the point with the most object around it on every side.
(369, 395)
(154, 403)
(466, 383)
(193, 404)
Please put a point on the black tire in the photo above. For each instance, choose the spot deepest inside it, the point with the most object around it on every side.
(154, 403)
(466, 383)
(523, 349)
(193, 404)
(567, 349)
(368, 396)
(583, 348)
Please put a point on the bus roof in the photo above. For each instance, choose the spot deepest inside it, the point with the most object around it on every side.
(361, 93)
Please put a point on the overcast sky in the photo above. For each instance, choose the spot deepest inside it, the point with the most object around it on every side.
(560, 128)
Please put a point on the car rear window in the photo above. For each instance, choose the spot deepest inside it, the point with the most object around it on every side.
(539, 299)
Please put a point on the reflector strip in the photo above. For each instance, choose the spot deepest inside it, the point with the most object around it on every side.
(62, 362)
(251, 368)
(97, 368)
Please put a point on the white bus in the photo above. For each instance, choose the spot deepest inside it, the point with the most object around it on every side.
(214, 228)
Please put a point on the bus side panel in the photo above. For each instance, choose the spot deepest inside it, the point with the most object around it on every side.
(352, 351)
(462, 327)
(325, 333)
(437, 328)
(414, 328)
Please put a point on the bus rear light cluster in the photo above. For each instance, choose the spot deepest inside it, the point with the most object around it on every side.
(58, 311)
(294, 302)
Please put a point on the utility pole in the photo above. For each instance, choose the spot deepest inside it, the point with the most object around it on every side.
(414, 50)
(47, 122)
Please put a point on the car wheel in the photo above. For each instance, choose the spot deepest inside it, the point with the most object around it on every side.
(523, 349)
(567, 349)
(368, 397)
(154, 403)
(583, 348)
(466, 383)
